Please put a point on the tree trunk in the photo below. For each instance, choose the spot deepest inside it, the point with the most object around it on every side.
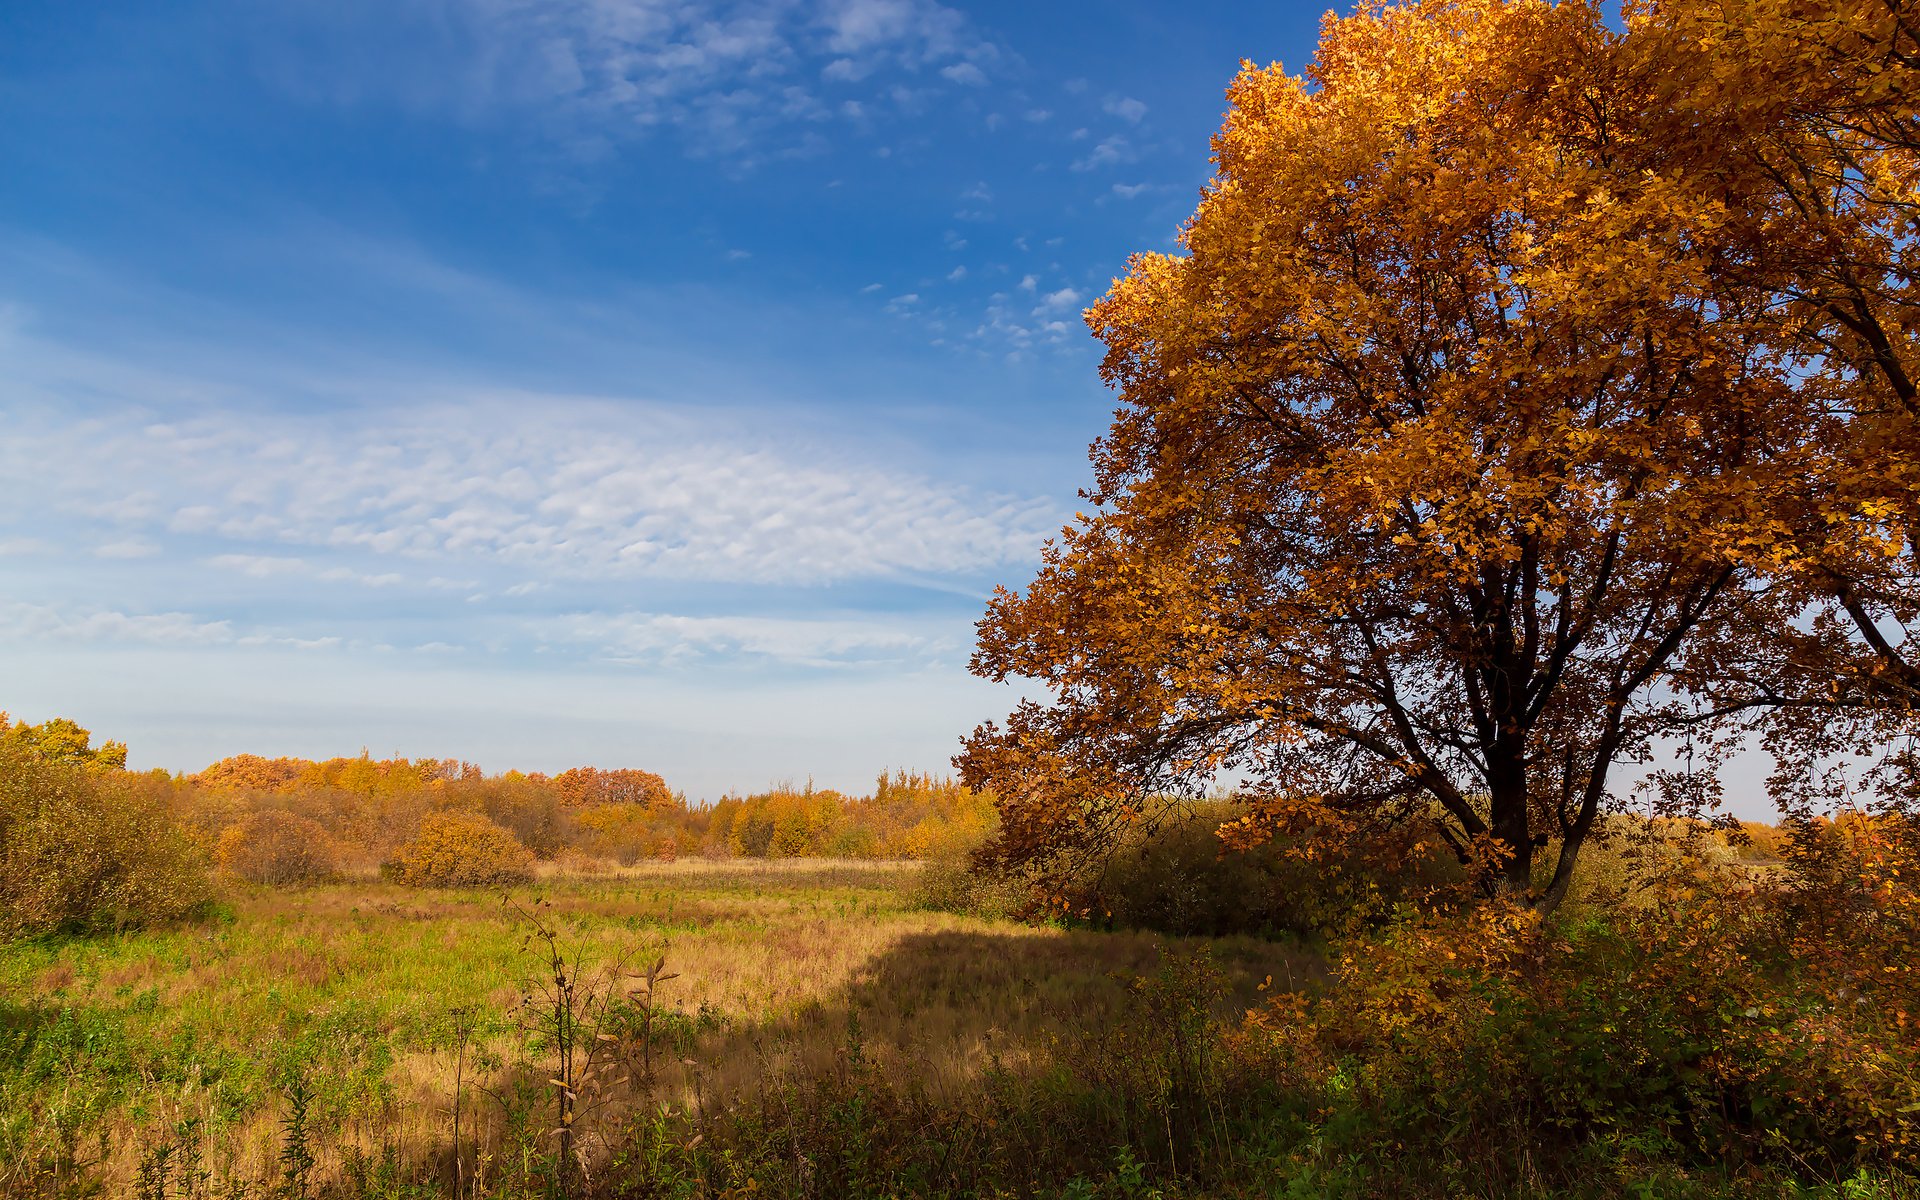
(1507, 793)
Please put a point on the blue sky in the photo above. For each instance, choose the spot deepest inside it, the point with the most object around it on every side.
(625, 382)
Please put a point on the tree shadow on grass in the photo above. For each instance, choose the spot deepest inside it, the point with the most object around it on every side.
(945, 1006)
(974, 1060)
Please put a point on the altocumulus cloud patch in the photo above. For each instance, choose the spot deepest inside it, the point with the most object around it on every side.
(668, 639)
(588, 492)
(721, 73)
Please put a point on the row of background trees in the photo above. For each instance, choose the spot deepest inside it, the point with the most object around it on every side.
(286, 820)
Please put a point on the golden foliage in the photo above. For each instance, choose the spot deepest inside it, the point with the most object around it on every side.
(1729, 1020)
(59, 739)
(85, 846)
(368, 806)
(579, 787)
(460, 849)
(908, 815)
(1529, 396)
(273, 846)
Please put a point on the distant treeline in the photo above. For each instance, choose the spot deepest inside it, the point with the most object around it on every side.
(84, 842)
(367, 807)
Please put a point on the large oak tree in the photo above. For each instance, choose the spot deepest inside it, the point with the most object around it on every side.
(1509, 412)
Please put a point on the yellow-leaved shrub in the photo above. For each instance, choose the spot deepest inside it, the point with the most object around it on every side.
(273, 846)
(87, 847)
(460, 849)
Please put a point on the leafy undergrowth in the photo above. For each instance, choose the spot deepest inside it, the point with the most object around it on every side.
(812, 1034)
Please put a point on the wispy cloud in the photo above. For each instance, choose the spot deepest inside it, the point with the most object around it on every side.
(46, 622)
(1111, 151)
(665, 639)
(723, 72)
(128, 548)
(574, 488)
(272, 566)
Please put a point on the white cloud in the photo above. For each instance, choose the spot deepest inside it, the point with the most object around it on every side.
(1066, 297)
(574, 488)
(261, 566)
(1110, 152)
(957, 274)
(127, 548)
(722, 72)
(669, 639)
(35, 623)
(1127, 191)
(1126, 108)
(269, 566)
(23, 621)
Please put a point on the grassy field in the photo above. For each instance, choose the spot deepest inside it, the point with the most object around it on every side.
(331, 1022)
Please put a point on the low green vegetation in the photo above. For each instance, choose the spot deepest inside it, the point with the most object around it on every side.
(367, 1000)
(1714, 1012)
(812, 1028)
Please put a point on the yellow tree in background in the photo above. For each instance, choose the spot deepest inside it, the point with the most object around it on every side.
(61, 740)
(1503, 419)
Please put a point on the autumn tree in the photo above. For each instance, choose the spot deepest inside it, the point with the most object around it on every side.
(250, 772)
(1475, 446)
(61, 739)
(1800, 120)
(582, 786)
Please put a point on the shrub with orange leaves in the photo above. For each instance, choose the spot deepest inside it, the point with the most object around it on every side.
(276, 847)
(1712, 1020)
(460, 849)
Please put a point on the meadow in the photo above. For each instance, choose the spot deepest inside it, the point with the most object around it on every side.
(178, 1051)
(369, 980)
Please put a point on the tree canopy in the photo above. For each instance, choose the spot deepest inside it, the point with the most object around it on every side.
(1529, 394)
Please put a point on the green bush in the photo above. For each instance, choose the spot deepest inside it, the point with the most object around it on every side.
(1178, 879)
(949, 883)
(86, 847)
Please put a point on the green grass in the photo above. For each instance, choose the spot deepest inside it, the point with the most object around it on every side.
(823, 1037)
(111, 1044)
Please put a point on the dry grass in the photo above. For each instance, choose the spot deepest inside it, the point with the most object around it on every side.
(356, 983)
